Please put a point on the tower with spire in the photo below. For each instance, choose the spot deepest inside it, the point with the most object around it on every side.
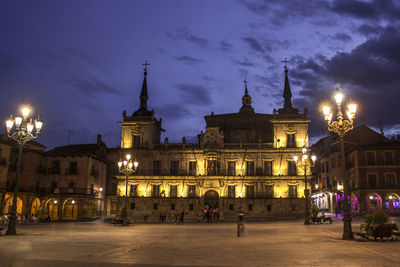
(246, 101)
(141, 129)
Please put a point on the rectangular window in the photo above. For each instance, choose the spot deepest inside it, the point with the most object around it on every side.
(268, 168)
(370, 158)
(290, 140)
(231, 168)
(372, 181)
(231, 191)
(269, 191)
(156, 190)
(292, 191)
(268, 207)
(173, 206)
(292, 168)
(250, 207)
(156, 167)
(249, 168)
(231, 207)
(192, 168)
(192, 191)
(174, 170)
(250, 191)
(132, 206)
(136, 141)
(73, 168)
(327, 166)
(133, 190)
(390, 180)
(211, 167)
(55, 167)
(71, 185)
(173, 190)
(388, 158)
(191, 207)
(155, 206)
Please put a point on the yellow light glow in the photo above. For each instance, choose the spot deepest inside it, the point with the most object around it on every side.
(125, 162)
(25, 111)
(9, 123)
(128, 156)
(130, 165)
(352, 108)
(326, 110)
(390, 197)
(136, 164)
(313, 158)
(296, 158)
(339, 186)
(371, 197)
(304, 150)
(120, 164)
(18, 121)
(339, 98)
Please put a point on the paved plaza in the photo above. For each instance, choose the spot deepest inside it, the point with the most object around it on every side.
(278, 243)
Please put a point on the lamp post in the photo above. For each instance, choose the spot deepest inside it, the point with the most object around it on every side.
(127, 167)
(307, 161)
(24, 131)
(341, 126)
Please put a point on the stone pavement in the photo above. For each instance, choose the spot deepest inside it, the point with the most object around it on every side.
(279, 243)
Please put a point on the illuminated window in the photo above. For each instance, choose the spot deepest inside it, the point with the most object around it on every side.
(211, 167)
(133, 190)
(192, 191)
(231, 168)
(173, 190)
(231, 191)
(292, 191)
(290, 140)
(192, 168)
(268, 168)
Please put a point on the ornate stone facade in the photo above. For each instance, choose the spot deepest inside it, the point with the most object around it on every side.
(242, 159)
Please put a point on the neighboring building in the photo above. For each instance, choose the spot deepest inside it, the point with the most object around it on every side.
(242, 159)
(65, 183)
(372, 169)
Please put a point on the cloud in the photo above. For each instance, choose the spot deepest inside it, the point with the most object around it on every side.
(368, 30)
(245, 62)
(372, 10)
(253, 44)
(183, 33)
(207, 78)
(173, 111)
(90, 86)
(225, 46)
(369, 74)
(189, 60)
(194, 94)
(342, 37)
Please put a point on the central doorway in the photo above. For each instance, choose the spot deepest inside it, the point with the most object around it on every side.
(211, 199)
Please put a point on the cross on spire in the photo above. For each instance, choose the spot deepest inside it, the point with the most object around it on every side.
(285, 61)
(145, 64)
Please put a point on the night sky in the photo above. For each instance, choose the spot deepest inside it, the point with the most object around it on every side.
(79, 63)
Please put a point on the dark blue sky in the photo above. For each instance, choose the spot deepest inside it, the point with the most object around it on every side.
(79, 63)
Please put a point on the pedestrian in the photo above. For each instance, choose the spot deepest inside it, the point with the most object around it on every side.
(176, 218)
(240, 224)
(182, 215)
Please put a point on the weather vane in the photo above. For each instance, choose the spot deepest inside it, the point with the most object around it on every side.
(145, 64)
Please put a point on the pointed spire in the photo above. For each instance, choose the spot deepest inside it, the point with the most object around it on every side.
(287, 94)
(144, 96)
(246, 101)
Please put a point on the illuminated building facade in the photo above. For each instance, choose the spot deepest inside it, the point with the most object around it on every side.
(242, 159)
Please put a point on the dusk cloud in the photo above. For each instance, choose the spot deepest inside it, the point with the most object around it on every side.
(183, 33)
(194, 94)
(189, 60)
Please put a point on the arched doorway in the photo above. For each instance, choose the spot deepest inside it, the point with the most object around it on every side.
(211, 199)
(35, 206)
(374, 202)
(8, 206)
(70, 209)
(51, 209)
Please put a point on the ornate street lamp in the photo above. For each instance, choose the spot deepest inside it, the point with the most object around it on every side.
(307, 161)
(24, 131)
(127, 167)
(341, 126)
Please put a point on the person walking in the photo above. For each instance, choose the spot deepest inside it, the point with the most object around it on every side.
(240, 224)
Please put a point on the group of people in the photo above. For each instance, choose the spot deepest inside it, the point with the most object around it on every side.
(21, 218)
(210, 214)
(178, 217)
